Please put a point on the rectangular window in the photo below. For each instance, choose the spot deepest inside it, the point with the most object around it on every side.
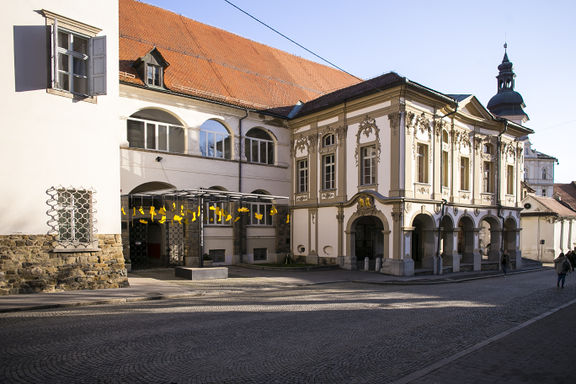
(487, 177)
(157, 136)
(260, 214)
(78, 60)
(260, 254)
(218, 255)
(217, 213)
(464, 174)
(368, 165)
(154, 75)
(445, 169)
(422, 163)
(302, 166)
(510, 179)
(74, 219)
(259, 150)
(328, 172)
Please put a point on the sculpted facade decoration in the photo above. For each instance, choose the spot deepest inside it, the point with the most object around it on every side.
(417, 123)
(300, 144)
(367, 127)
(462, 140)
(365, 205)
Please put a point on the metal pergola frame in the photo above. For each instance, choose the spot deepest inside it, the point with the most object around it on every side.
(201, 195)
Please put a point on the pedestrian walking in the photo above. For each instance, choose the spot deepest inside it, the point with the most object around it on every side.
(562, 266)
(571, 256)
(504, 262)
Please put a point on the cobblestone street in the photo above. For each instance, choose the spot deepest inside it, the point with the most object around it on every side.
(330, 333)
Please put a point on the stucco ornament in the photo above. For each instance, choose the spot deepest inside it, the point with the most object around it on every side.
(367, 127)
(365, 205)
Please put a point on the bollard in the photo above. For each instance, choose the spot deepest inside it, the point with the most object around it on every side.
(378, 264)
(366, 263)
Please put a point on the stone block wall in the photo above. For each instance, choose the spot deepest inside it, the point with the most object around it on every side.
(28, 264)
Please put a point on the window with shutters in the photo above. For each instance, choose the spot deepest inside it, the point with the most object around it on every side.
(77, 58)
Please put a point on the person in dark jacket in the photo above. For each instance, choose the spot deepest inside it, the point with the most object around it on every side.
(571, 255)
(504, 262)
(562, 266)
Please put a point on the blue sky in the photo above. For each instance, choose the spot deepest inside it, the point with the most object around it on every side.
(450, 46)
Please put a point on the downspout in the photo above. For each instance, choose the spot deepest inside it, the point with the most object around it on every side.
(240, 152)
(498, 184)
(438, 265)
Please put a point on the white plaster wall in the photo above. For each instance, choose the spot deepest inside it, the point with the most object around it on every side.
(300, 231)
(50, 140)
(327, 232)
(186, 171)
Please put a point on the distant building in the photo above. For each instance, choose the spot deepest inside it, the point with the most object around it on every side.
(548, 228)
(539, 170)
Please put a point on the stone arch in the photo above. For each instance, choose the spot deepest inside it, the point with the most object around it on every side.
(380, 236)
(447, 241)
(465, 241)
(423, 246)
(490, 238)
(151, 186)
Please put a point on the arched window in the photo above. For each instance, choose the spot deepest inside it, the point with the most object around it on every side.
(157, 130)
(259, 147)
(215, 140)
(328, 140)
(260, 212)
(444, 137)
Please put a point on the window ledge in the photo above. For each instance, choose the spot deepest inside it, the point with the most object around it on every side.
(75, 250)
(70, 95)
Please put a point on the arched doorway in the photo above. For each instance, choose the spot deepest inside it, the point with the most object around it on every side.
(423, 244)
(466, 243)
(368, 240)
(146, 245)
(489, 240)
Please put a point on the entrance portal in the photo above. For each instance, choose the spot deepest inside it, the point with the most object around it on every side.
(368, 240)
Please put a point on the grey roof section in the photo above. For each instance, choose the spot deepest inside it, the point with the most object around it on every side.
(459, 97)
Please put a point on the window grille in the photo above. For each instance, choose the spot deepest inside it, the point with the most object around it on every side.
(72, 217)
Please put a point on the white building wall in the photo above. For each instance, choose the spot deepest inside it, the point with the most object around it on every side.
(50, 140)
(327, 232)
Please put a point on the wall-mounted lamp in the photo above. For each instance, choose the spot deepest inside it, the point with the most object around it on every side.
(159, 158)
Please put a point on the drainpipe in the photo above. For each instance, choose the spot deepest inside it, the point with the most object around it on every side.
(240, 151)
(498, 184)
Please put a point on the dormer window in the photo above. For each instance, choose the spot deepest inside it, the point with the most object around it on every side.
(153, 75)
(151, 68)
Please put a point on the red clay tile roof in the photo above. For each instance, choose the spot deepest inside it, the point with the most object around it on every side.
(211, 63)
(566, 193)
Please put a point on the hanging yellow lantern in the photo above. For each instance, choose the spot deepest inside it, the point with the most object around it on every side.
(273, 211)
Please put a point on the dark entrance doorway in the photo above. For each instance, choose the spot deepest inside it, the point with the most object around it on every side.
(368, 240)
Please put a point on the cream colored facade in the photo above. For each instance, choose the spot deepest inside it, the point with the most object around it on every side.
(548, 228)
(407, 216)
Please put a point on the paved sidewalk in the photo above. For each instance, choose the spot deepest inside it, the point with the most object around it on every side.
(162, 284)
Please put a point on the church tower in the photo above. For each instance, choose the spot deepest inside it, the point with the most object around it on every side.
(507, 103)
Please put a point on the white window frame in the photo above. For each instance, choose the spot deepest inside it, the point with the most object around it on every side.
(488, 177)
(157, 125)
(368, 164)
(263, 209)
(329, 171)
(265, 146)
(95, 57)
(302, 177)
(464, 173)
(510, 187)
(154, 75)
(218, 137)
(422, 163)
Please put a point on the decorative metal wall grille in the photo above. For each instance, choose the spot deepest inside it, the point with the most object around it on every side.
(175, 244)
(72, 216)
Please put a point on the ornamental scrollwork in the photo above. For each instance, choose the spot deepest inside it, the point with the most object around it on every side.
(366, 128)
(417, 123)
(300, 144)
